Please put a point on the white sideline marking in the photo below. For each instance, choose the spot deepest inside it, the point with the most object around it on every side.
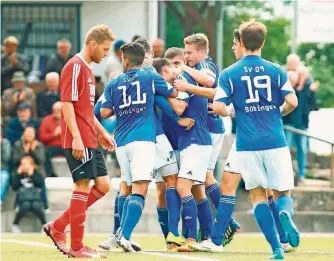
(182, 257)
(161, 253)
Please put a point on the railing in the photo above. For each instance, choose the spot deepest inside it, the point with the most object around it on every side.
(331, 143)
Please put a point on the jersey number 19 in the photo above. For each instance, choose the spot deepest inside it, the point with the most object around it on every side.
(261, 82)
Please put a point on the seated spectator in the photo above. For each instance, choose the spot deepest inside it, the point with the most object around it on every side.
(50, 95)
(28, 183)
(11, 62)
(6, 149)
(158, 46)
(17, 125)
(29, 145)
(49, 134)
(16, 95)
(57, 63)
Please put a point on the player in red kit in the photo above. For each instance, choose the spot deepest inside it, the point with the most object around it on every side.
(80, 132)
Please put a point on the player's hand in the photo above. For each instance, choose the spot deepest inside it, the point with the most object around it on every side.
(180, 85)
(186, 122)
(314, 86)
(107, 142)
(78, 148)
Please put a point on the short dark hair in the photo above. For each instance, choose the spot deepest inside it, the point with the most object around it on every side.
(135, 37)
(145, 44)
(134, 52)
(159, 63)
(236, 35)
(253, 34)
(173, 51)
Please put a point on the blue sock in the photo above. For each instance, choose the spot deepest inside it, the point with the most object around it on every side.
(121, 200)
(174, 208)
(189, 211)
(266, 223)
(285, 203)
(205, 216)
(116, 215)
(213, 192)
(282, 236)
(125, 210)
(163, 220)
(184, 227)
(223, 217)
(134, 211)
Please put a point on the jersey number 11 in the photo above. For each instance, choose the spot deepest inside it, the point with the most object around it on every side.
(127, 100)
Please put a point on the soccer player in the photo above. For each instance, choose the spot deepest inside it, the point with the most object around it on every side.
(195, 150)
(163, 167)
(131, 97)
(79, 129)
(257, 89)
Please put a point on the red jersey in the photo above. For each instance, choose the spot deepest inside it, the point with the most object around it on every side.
(77, 86)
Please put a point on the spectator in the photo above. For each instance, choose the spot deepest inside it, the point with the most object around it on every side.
(17, 125)
(29, 183)
(50, 95)
(29, 145)
(16, 95)
(113, 65)
(158, 46)
(11, 62)
(57, 63)
(49, 134)
(299, 118)
(292, 62)
(6, 149)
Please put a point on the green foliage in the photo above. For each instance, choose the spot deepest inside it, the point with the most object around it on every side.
(319, 57)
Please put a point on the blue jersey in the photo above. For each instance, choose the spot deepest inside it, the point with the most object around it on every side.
(158, 100)
(256, 88)
(197, 109)
(131, 96)
(215, 122)
(97, 108)
(171, 130)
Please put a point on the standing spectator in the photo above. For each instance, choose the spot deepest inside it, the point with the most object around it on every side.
(49, 134)
(135, 37)
(29, 145)
(158, 46)
(57, 63)
(16, 95)
(29, 183)
(299, 118)
(292, 62)
(50, 95)
(17, 125)
(11, 62)
(6, 149)
(113, 64)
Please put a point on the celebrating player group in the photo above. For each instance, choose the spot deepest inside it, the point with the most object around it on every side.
(169, 128)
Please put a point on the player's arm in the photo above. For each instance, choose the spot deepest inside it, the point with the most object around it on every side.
(166, 109)
(106, 102)
(182, 85)
(287, 91)
(178, 106)
(204, 76)
(223, 96)
(163, 88)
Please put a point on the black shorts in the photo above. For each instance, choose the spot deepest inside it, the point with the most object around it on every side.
(92, 166)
